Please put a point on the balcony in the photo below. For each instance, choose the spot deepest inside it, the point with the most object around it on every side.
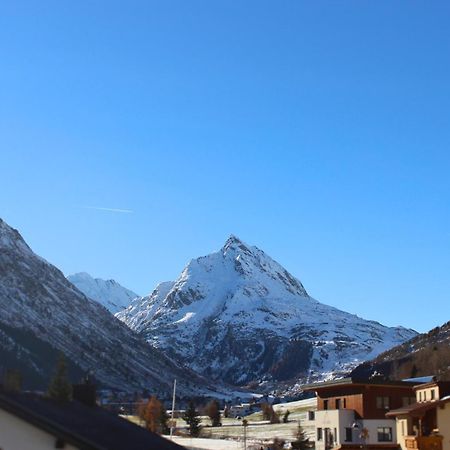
(423, 442)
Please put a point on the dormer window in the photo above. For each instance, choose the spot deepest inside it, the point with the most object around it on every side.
(383, 402)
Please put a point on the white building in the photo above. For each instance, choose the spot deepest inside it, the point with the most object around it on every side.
(425, 424)
(352, 413)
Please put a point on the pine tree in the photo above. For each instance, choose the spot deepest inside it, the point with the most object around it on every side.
(60, 388)
(191, 418)
(213, 412)
(12, 380)
(302, 442)
(163, 419)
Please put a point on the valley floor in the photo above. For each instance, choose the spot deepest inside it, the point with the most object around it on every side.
(259, 433)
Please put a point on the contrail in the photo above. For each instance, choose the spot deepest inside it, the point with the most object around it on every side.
(116, 210)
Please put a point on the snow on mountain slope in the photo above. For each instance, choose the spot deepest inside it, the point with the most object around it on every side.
(239, 316)
(36, 298)
(109, 293)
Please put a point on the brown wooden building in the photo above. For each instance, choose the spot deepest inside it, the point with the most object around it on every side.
(352, 413)
(425, 424)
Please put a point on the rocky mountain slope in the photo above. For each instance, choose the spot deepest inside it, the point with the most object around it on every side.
(109, 293)
(237, 315)
(23, 351)
(39, 305)
(425, 354)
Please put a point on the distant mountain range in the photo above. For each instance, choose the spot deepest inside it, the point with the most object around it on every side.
(425, 354)
(109, 293)
(42, 314)
(238, 316)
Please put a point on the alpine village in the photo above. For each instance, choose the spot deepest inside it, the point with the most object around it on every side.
(225, 225)
(233, 354)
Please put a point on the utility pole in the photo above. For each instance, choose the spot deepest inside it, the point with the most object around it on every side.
(172, 423)
(244, 424)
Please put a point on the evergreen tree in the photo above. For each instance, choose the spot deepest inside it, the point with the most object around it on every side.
(302, 442)
(191, 418)
(163, 419)
(213, 412)
(60, 388)
(12, 380)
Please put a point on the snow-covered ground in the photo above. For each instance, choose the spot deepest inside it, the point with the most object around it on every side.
(213, 444)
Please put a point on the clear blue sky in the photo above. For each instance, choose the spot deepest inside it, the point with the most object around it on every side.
(318, 131)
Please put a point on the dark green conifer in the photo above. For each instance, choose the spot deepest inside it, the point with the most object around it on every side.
(60, 388)
(192, 419)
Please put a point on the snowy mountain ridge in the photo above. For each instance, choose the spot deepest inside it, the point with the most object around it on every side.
(42, 310)
(109, 293)
(239, 316)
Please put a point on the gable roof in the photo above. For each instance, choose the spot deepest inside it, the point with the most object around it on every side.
(89, 428)
(351, 381)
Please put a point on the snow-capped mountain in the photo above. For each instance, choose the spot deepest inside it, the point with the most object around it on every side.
(41, 310)
(108, 293)
(239, 316)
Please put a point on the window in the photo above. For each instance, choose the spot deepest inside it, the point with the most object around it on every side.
(420, 396)
(311, 415)
(406, 401)
(403, 427)
(325, 404)
(384, 434)
(345, 403)
(319, 434)
(383, 402)
(424, 396)
(335, 435)
(348, 434)
(433, 394)
(338, 403)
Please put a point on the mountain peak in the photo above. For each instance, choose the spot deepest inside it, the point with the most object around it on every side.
(109, 293)
(238, 315)
(11, 238)
(234, 242)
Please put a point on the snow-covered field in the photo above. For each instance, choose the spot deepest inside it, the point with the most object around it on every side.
(216, 444)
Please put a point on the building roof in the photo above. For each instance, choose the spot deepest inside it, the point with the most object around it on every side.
(417, 409)
(89, 428)
(444, 386)
(350, 381)
(417, 380)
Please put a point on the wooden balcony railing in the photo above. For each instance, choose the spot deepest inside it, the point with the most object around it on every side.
(424, 442)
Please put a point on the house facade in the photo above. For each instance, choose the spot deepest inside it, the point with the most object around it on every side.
(32, 422)
(425, 424)
(352, 413)
(17, 433)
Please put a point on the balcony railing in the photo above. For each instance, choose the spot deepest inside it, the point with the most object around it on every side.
(424, 442)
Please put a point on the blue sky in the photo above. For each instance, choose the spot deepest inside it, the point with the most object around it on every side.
(318, 131)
